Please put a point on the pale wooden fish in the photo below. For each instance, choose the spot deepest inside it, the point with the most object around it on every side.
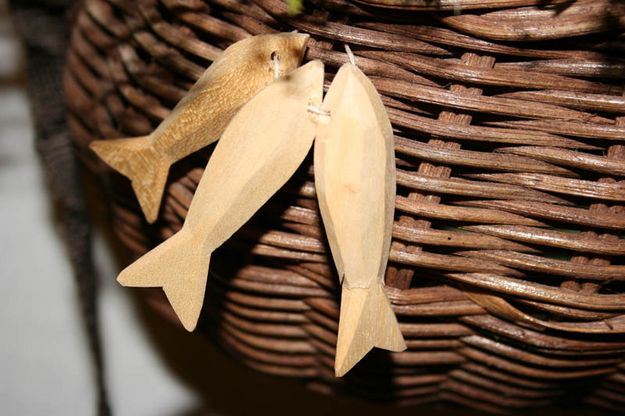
(259, 151)
(200, 118)
(355, 183)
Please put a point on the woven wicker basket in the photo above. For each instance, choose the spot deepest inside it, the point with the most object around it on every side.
(506, 266)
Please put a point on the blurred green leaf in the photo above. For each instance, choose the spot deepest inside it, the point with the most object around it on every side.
(295, 6)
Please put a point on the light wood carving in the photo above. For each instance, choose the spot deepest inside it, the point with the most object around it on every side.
(355, 182)
(259, 151)
(200, 118)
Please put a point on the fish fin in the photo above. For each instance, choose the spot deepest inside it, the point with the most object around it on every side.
(138, 160)
(367, 320)
(180, 266)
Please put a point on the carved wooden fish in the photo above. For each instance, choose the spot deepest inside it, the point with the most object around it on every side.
(200, 118)
(355, 183)
(259, 151)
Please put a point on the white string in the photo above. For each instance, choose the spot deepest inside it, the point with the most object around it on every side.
(350, 55)
(457, 8)
(275, 64)
(317, 110)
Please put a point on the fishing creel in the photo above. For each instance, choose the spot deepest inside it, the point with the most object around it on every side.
(506, 269)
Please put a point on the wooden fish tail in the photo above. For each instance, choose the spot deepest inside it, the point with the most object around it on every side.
(180, 266)
(367, 320)
(138, 160)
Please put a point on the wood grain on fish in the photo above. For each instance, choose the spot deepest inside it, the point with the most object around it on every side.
(200, 118)
(260, 150)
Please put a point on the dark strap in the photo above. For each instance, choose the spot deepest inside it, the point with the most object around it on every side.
(44, 28)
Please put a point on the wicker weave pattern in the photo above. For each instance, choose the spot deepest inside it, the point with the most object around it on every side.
(506, 265)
